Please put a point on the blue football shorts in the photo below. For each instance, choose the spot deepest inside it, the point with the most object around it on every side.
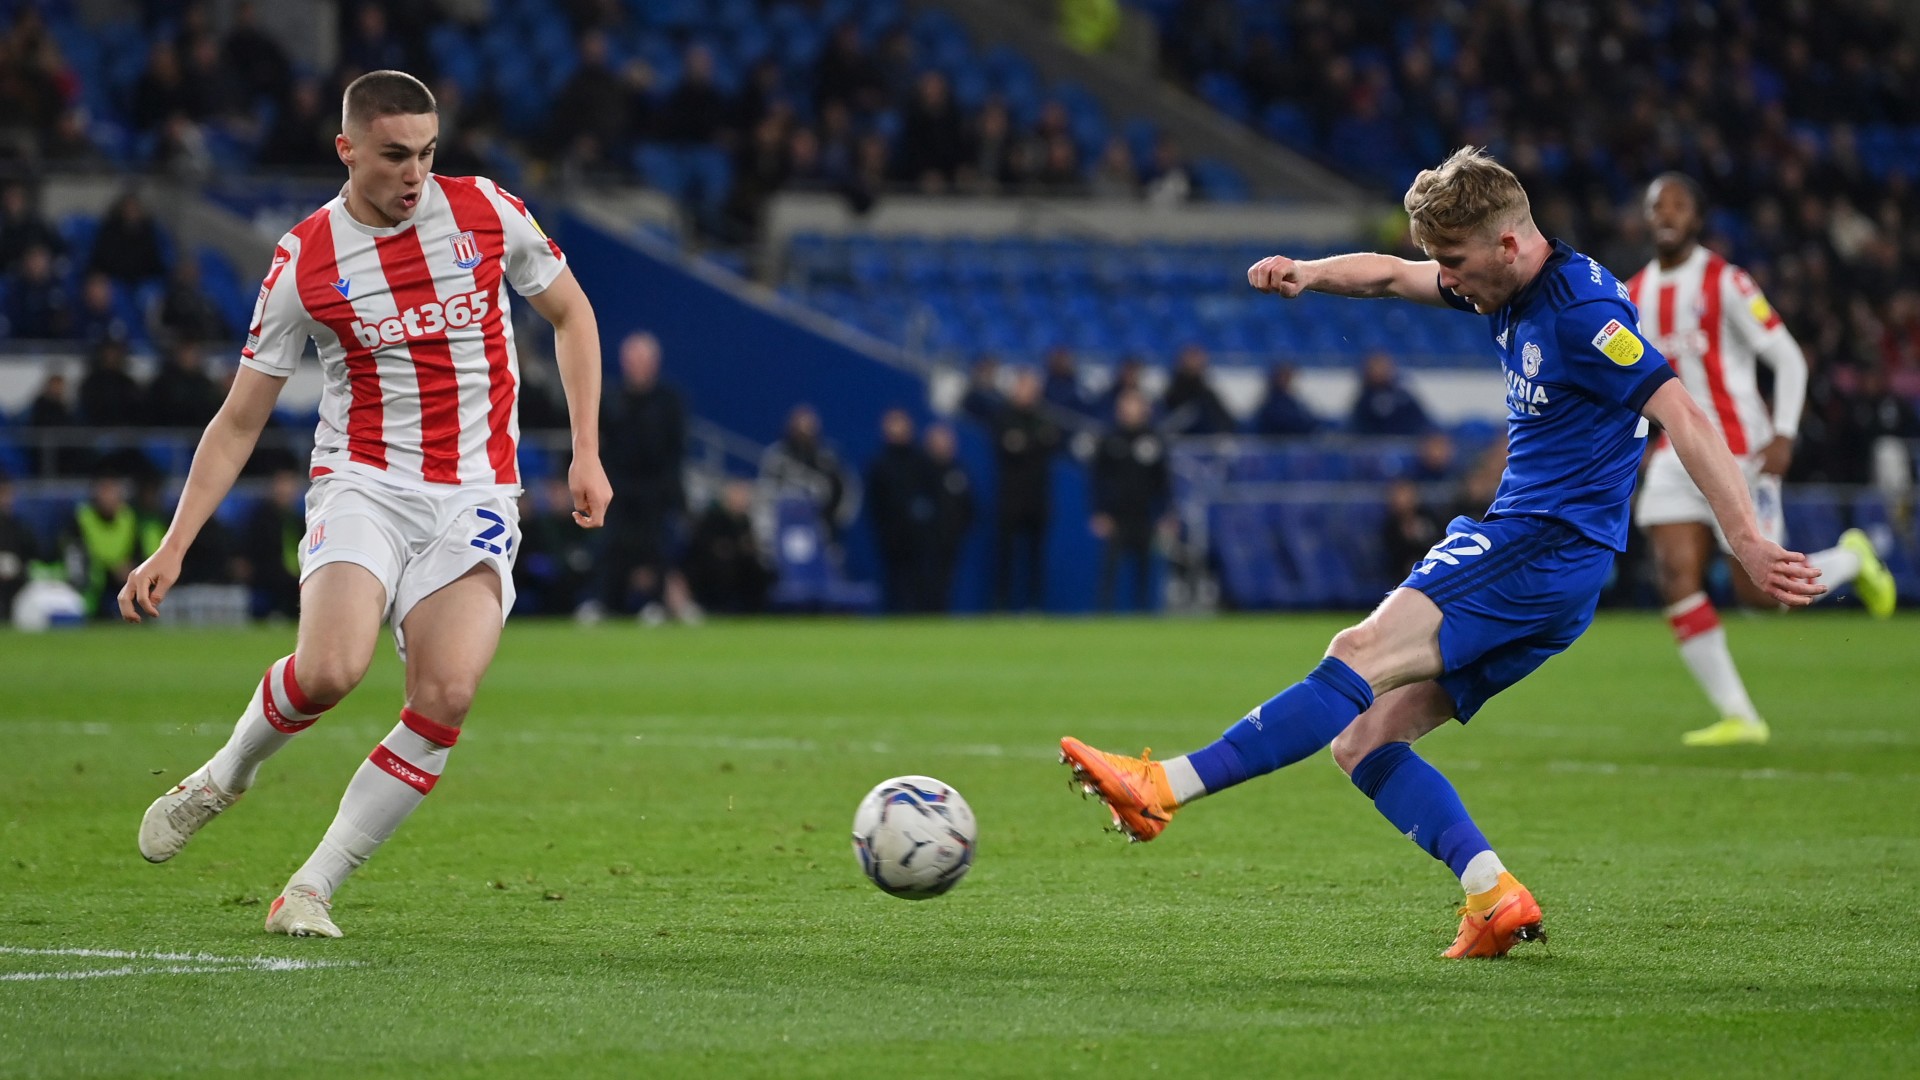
(1512, 591)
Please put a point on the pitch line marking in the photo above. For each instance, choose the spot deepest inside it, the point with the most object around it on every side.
(157, 963)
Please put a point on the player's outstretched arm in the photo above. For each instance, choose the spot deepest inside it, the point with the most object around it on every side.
(1784, 575)
(1364, 274)
(576, 347)
(225, 446)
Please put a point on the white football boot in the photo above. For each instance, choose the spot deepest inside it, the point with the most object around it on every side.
(301, 912)
(174, 817)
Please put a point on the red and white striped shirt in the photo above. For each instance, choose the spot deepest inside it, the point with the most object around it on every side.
(1713, 324)
(414, 335)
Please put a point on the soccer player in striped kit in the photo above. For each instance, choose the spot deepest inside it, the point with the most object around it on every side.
(401, 283)
(1715, 327)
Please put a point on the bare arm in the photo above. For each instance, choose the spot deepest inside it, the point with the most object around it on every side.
(224, 448)
(1361, 275)
(1784, 575)
(576, 347)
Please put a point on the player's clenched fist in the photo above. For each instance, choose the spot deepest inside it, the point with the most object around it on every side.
(591, 492)
(1277, 274)
(148, 585)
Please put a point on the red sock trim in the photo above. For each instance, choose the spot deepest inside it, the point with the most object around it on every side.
(296, 696)
(1696, 620)
(274, 716)
(398, 767)
(431, 730)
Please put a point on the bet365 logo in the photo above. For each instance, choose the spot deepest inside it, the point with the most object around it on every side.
(427, 320)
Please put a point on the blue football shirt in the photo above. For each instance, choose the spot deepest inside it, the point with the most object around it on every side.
(1578, 374)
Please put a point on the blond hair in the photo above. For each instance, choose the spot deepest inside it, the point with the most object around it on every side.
(1470, 193)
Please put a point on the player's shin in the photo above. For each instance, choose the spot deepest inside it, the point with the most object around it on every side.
(393, 780)
(1293, 725)
(1703, 646)
(278, 711)
(1424, 807)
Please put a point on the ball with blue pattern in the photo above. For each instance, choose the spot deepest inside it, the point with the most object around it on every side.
(913, 836)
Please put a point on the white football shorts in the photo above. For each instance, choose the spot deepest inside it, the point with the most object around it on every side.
(1668, 496)
(415, 542)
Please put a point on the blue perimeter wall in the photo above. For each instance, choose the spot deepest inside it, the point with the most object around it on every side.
(744, 367)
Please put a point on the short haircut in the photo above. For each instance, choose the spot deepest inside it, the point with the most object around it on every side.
(1687, 184)
(1467, 195)
(384, 93)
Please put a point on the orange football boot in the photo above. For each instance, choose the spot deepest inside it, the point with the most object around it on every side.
(1135, 789)
(1495, 921)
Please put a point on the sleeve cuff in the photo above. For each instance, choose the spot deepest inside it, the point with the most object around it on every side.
(539, 285)
(1655, 379)
(263, 367)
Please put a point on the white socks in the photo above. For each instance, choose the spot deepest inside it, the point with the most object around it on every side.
(1837, 566)
(393, 780)
(1703, 645)
(1184, 781)
(278, 712)
(1482, 873)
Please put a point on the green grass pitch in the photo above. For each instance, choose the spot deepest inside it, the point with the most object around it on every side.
(638, 865)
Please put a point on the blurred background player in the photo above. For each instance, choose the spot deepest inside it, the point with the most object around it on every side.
(400, 282)
(1715, 327)
(1499, 596)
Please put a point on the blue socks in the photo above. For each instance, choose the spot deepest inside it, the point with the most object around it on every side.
(1295, 724)
(1420, 803)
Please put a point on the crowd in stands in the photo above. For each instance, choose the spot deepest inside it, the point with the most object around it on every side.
(1798, 119)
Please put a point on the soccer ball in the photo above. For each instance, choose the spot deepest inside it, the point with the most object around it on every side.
(913, 837)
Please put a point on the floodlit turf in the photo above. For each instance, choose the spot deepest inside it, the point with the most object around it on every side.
(638, 865)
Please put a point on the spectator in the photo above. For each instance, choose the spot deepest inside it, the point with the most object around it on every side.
(187, 313)
(644, 446)
(51, 412)
(726, 567)
(991, 150)
(98, 318)
(1115, 177)
(1433, 458)
(695, 112)
(1191, 405)
(764, 90)
(108, 395)
(102, 543)
(256, 58)
(19, 549)
(69, 147)
(952, 511)
(1062, 389)
(1169, 180)
(214, 90)
(760, 169)
(371, 47)
(1281, 414)
(1024, 441)
(181, 395)
(1384, 407)
(801, 463)
(269, 555)
(846, 75)
(1129, 376)
(594, 103)
(126, 247)
(23, 228)
(302, 137)
(1408, 530)
(1059, 172)
(1481, 483)
(900, 500)
(555, 567)
(38, 307)
(983, 399)
(162, 90)
(932, 136)
(1130, 493)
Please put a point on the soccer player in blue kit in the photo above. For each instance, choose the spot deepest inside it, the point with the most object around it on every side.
(1494, 599)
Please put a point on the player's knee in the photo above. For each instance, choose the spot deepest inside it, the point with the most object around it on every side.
(1349, 747)
(328, 679)
(1354, 643)
(443, 700)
